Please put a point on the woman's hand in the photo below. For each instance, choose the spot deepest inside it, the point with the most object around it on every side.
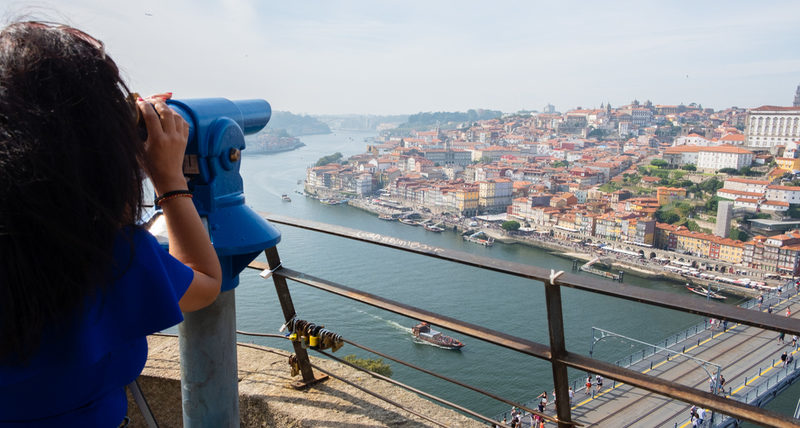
(167, 134)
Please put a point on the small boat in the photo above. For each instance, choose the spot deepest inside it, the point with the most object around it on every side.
(432, 228)
(423, 331)
(479, 238)
(409, 222)
(705, 292)
(387, 217)
(286, 198)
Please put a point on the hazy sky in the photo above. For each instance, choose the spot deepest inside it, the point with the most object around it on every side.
(386, 57)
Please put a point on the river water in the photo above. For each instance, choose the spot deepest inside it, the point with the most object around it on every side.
(489, 299)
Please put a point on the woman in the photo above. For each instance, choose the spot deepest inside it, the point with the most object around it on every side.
(80, 284)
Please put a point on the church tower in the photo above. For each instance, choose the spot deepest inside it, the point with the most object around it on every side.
(797, 97)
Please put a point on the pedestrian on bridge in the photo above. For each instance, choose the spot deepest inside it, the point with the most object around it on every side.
(783, 358)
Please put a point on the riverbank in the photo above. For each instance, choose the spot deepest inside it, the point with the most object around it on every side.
(639, 267)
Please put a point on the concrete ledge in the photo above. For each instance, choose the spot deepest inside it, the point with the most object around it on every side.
(266, 400)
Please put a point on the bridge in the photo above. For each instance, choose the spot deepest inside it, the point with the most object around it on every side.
(747, 357)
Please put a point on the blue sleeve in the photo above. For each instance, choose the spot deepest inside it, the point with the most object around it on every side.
(142, 298)
(150, 289)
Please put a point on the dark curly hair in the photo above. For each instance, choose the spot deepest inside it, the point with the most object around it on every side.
(70, 176)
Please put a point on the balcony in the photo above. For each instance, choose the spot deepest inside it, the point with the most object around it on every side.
(554, 353)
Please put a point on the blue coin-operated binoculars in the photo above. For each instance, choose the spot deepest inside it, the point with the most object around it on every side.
(209, 373)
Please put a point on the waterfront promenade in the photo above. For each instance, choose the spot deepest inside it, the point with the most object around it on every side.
(574, 247)
(749, 359)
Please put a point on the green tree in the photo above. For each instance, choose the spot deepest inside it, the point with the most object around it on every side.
(561, 163)
(737, 234)
(733, 171)
(667, 217)
(376, 365)
(325, 160)
(660, 163)
(510, 225)
(689, 167)
(711, 185)
(711, 204)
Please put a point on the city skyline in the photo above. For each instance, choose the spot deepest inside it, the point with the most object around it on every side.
(403, 58)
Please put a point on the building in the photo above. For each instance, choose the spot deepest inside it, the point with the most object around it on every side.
(771, 126)
(712, 159)
(746, 185)
(667, 195)
(788, 164)
(724, 214)
(494, 195)
(778, 254)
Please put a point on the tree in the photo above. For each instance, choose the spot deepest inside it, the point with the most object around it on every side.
(712, 204)
(372, 364)
(660, 163)
(329, 159)
(667, 217)
(711, 185)
(737, 234)
(729, 171)
(510, 225)
(689, 167)
(561, 163)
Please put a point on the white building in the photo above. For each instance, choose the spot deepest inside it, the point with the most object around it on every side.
(789, 194)
(691, 140)
(770, 126)
(746, 185)
(726, 156)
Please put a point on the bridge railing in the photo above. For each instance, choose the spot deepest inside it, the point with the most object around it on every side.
(555, 352)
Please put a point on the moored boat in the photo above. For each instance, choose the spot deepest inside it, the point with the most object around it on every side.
(409, 222)
(387, 217)
(286, 198)
(480, 238)
(705, 292)
(423, 331)
(432, 228)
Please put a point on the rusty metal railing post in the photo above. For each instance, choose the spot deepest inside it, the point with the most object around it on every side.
(309, 378)
(555, 323)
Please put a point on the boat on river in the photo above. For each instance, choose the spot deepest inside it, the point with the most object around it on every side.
(387, 217)
(286, 198)
(409, 222)
(433, 227)
(479, 238)
(423, 331)
(705, 292)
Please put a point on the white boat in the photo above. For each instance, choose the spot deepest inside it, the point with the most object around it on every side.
(286, 198)
(705, 292)
(423, 331)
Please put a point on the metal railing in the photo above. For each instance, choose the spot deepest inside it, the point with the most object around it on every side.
(555, 352)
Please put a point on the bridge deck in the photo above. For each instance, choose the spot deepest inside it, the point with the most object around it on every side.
(751, 366)
(742, 352)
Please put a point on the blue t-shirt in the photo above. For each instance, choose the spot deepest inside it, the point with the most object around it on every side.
(77, 378)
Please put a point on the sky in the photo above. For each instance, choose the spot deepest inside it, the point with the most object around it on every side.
(403, 57)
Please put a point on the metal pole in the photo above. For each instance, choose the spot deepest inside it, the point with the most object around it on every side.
(287, 307)
(555, 322)
(209, 372)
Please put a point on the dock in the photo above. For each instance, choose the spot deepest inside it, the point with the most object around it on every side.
(747, 357)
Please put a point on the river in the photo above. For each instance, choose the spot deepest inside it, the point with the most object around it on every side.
(489, 299)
